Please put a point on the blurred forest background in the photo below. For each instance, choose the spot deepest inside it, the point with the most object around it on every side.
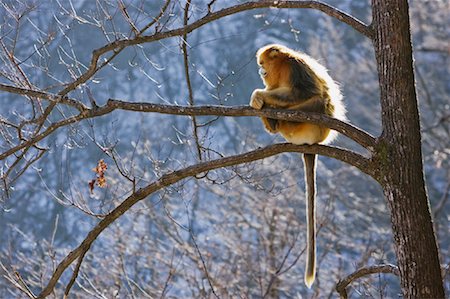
(240, 229)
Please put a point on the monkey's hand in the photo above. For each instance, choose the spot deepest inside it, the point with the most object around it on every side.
(257, 100)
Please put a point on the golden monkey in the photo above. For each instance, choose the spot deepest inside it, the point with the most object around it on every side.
(296, 81)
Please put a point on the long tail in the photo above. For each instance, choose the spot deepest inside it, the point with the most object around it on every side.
(310, 182)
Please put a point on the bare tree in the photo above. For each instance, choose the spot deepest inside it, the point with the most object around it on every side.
(393, 159)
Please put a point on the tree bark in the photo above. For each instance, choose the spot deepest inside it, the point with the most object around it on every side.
(400, 155)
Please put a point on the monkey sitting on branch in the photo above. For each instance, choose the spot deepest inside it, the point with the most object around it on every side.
(295, 81)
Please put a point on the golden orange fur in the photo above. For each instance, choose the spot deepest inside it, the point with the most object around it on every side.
(295, 81)
(276, 62)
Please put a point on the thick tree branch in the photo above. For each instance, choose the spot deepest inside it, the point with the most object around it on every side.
(354, 133)
(117, 46)
(194, 170)
(341, 286)
(361, 137)
(121, 44)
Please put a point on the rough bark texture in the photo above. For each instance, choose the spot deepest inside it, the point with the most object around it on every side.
(400, 155)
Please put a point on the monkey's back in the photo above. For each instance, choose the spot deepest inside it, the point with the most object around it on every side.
(328, 89)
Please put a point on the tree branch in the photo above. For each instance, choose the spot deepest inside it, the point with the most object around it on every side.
(90, 113)
(361, 137)
(191, 171)
(184, 44)
(121, 44)
(117, 46)
(341, 286)
(43, 95)
(75, 272)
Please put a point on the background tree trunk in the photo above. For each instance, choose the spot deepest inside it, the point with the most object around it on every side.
(400, 154)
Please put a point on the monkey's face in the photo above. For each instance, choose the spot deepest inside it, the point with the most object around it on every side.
(269, 60)
(262, 72)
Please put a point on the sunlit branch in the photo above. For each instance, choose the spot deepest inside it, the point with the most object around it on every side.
(361, 137)
(210, 17)
(354, 133)
(171, 178)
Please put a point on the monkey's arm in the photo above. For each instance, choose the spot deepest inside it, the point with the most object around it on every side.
(279, 97)
(257, 102)
(286, 99)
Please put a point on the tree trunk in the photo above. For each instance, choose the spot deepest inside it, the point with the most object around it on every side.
(400, 155)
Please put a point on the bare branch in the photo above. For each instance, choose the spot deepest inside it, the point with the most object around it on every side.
(361, 137)
(205, 269)
(341, 286)
(184, 44)
(43, 95)
(94, 68)
(24, 287)
(61, 96)
(75, 272)
(210, 4)
(439, 207)
(127, 17)
(191, 171)
(119, 45)
(155, 20)
(38, 137)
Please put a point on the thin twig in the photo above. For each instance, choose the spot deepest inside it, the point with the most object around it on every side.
(24, 286)
(127, 17)
(188, 80)
(439, 207)
(205, 269)
(210, 4)
(157, 18)
(43, 95)
(278, 272)
(169, 276)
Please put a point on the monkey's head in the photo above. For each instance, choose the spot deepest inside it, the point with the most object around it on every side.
(272, 60)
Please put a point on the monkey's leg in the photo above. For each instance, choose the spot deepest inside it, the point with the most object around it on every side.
(270, 124)
(310, 182)
(302, 133)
